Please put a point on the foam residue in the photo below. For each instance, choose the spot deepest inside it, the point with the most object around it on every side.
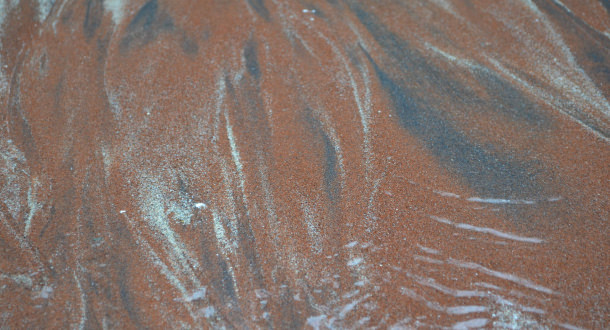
(208, 312)
(235, 154)
(351, 245)
(221, 235)
(446, 194)
(107, 160)
(116, 8)
(198, 294)
(488, 231)
(461, 310)
(501, 275)
(170, 275)
(500, 201)
(508, 317)
(316, 322)
(428, 250)
(471, 324)
(18, 189)
(20, 279)
(349, 307)
(33, 204)
(446, 5)
(312, 226)
(83, 303)
(12, 173)
(159, 206)
(45, 292)
(44, 8)
(3, 79)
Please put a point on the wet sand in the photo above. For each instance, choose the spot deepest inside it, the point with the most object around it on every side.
(294, 164)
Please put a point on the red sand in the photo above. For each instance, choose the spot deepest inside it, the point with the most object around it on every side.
(266, 163)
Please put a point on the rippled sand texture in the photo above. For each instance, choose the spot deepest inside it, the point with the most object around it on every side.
(288, 164)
